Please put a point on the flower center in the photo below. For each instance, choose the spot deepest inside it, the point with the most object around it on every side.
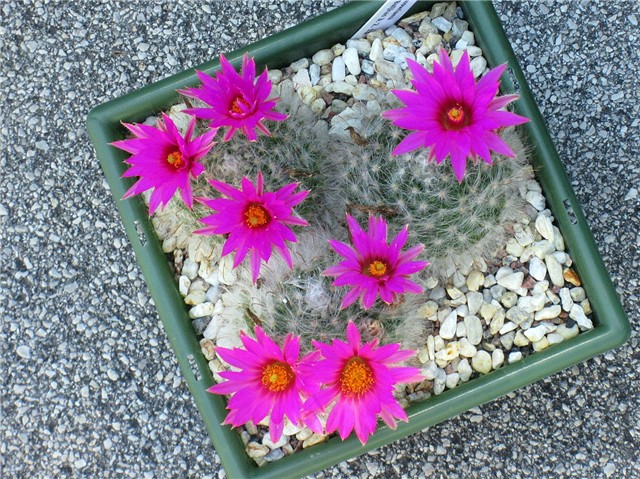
(376, 268)
(277, 376)
(256, 216)
(356, 377)
(239, 105)
(455, 117)
(176, 160)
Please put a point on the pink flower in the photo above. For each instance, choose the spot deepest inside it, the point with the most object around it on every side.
(255, 220)
(360, 379)
(164, 160)
(238, 102)
(268, 382)
(453, 115)
(374, 267)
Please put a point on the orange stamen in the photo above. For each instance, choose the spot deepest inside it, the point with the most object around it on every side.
(235, 105)
(176, 160)
(256, 216)
(456, 114)
(277, 376)
(377, 269)
(356, 377)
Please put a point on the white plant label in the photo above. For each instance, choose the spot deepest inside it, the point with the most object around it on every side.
(389, 13)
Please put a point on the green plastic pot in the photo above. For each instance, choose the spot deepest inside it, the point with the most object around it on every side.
(611, 324)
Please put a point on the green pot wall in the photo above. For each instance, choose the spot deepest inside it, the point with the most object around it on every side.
(611, 324)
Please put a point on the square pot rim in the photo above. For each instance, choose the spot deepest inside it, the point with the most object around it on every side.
(612, 327)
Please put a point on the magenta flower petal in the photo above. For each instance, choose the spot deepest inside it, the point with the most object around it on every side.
(359, 379)
(269, 382)
(452, 115)
(236, 101)
(256, 221)
(164, 160)
(373, 267)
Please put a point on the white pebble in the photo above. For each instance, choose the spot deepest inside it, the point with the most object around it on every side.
(555, 338)
(512, 281)
(541, 345)
(255, 450)
(338, 70)
(497, 358)
(183, 285)
(536, 200)
(201, 310)
(464, 370)
(520, 340)
(475, 280)
(351, 60)
(555, 270)
(275, 76)
(577, 314)
(478, 65)
(544, 227)
(514, 248)
(481, 362)
(509, 326)
(389, 70)
(474, 301)
(452, 380)
(301, 64)
(474, 51)
(473, 328)
(448, 326)
(442, 24)
(532, 304)
(537, 333)
(195, 297)
(468, 37)
(403, 37)
(314, 74)
(467, 349)
(431, 43)
(362, 45)
(543, 248)
(497, 322)
(323, 57)
(523, 235)
(266, 440)
(301, 79)
(548, 313)
(376, 50)
(342, 87)
(430, 371)
(515, 356)
(537, 268)
(565, 297)
(448, 354)
(190, 268)
(567, 333)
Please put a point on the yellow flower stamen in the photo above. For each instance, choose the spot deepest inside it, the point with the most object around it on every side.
(176, 160)
(356, 377)
(377, 269)
(277, 376)
(235, 105)
(456, 114)
(256, 216)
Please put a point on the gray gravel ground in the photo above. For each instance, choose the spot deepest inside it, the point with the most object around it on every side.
(88, 383)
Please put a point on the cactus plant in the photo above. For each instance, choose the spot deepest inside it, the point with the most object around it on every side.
(451, 219)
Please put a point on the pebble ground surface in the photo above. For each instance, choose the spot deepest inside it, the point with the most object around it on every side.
(88, 383)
